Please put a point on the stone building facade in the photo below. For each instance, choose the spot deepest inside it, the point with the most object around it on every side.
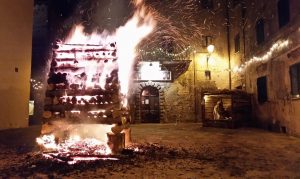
(256, 50)
(270, 58)
(180, 98)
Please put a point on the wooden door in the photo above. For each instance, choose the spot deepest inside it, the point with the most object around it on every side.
(150, 105)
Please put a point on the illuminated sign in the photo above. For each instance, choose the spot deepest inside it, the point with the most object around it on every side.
(152, 71)
(31, 107)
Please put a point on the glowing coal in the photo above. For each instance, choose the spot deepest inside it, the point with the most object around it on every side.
(72, 143)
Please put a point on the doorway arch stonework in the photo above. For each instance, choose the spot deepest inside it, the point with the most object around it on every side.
(139, 89)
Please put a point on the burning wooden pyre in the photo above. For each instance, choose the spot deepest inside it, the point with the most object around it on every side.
(83, 99)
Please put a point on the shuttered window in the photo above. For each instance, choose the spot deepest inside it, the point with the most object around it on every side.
(262, 92)
(295, 79)
(260, 31)
(283, 7)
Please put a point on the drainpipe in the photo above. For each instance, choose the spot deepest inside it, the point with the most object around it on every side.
(228, 42)
(244, 38)
(195, 89)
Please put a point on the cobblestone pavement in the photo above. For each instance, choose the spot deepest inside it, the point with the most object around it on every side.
(170, 151)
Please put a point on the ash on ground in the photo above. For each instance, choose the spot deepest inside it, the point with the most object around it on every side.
(164, 151)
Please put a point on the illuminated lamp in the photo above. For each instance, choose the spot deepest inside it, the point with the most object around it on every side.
(210, 50)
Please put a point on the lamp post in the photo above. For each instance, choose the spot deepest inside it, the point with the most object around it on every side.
(210, 50)
(195, 89)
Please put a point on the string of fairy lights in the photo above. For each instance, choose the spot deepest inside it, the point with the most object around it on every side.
(160, 51)
(275, 48)
(37, 85)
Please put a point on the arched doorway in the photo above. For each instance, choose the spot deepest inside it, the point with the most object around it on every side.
(149, 103)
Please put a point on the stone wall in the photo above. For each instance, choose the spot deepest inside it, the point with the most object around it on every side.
(182, 97)
(214, 25)
(281, 111)
(180, 100)
(237, 57)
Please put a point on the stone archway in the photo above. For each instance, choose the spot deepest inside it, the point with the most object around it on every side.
(139, 97)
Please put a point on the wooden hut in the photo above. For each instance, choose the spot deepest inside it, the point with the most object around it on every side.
(235, 109)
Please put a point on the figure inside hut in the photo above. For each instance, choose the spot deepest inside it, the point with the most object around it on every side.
(220, 112)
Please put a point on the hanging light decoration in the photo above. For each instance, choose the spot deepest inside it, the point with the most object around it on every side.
(161, 51)
(275, 48)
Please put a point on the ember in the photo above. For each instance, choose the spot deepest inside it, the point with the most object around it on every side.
(76, 149)
(76, 146)
(78, 141)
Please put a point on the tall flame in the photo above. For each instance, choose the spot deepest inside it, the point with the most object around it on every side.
(127, 38)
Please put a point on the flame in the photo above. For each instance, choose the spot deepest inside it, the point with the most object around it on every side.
(47, 141)
(127, 38)
(80, 141)
(74, 143)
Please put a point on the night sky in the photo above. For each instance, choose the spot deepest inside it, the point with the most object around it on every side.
(178, 23)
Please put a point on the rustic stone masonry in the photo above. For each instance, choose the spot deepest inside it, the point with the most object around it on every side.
(175, 101)
(139, 89)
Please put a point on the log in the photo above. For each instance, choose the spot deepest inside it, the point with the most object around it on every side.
(64, 66)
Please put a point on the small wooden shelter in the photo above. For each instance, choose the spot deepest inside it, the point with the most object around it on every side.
(235, 110)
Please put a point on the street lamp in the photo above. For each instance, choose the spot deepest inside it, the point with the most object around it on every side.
(210, 50)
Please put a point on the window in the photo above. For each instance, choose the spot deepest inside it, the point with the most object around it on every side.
(207, 4)
(260, 31)
(244, 10)
(206, 40)
(295, 79)
(283, 7)
(237, 43)
(262, 93)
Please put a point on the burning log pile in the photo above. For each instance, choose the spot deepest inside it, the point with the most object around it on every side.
(84, 118)
(88, 89)
(83, 84)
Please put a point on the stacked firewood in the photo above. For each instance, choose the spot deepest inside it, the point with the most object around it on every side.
(83, 84)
